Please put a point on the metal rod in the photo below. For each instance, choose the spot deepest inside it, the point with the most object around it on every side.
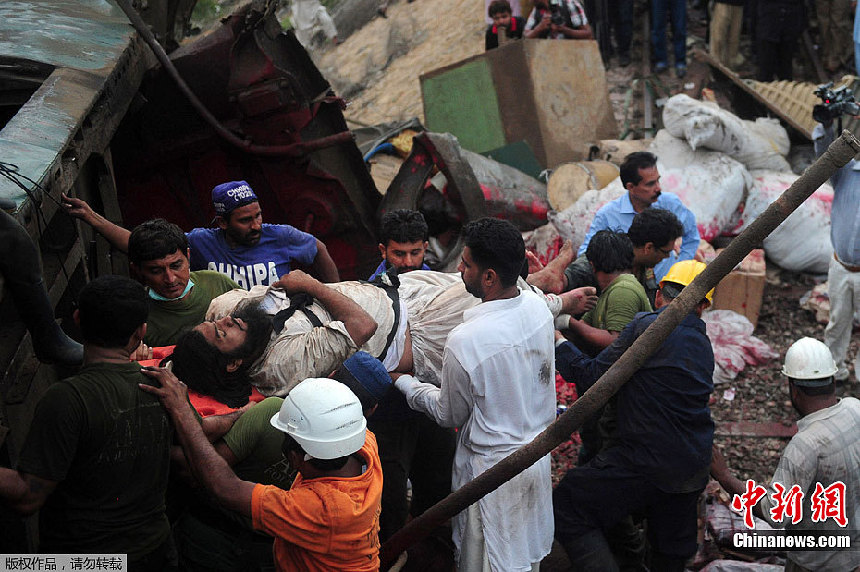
(837, 155)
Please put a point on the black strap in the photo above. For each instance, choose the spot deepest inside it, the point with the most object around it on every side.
(394, 296)
(299, 301)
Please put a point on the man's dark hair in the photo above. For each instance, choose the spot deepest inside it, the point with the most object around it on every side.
(610, 251)
(111, 308)
(155, 239)
(499, 7)
(826, 389)
(203, 367)
(496, 244)
(657, 226)
(402, 225)
(291, 444)
(629, 169)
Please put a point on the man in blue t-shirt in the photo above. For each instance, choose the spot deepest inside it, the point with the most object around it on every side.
(241, 247)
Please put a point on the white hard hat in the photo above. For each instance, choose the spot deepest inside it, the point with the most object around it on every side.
(324, 417)
(807, 358)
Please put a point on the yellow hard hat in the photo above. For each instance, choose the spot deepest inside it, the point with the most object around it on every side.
(684, 272)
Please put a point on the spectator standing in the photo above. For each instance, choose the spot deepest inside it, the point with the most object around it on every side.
(513, 26)
(779, 23)
(516, 9)
(497, 387)
(725, 31)
(676, 11)
(97, 456)
(834, 32)
(309, 17)
(558, 20)
(825, 450)
(843, 274)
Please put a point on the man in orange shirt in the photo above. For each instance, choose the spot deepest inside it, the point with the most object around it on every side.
(329, 519)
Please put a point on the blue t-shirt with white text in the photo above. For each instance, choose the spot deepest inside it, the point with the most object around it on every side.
(261, 264)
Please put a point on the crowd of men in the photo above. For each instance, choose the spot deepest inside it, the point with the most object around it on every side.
(775, 26)
(338, 395)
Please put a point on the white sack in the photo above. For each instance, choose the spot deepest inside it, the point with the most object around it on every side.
(711, 184)
(760, 144)
(802, 242)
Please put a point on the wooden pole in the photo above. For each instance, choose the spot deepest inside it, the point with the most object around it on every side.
(837, 155)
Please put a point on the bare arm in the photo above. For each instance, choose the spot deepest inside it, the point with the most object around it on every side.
(581, 33)
(114, 234)
(599, 339)
(731, 484)
(22, 492)
(207, 466)
(323, 266)
(216, 426)
(359, 324)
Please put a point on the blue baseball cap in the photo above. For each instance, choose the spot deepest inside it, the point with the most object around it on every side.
(366, 377)
(227, 197)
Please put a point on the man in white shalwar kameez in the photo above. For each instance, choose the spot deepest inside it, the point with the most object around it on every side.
(308, 18)
(498, 387)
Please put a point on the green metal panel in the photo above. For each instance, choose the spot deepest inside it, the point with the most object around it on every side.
(462, 100)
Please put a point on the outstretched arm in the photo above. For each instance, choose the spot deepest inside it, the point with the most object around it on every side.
(207, 466)
(323, 266)
(115, 234)
(359, 324)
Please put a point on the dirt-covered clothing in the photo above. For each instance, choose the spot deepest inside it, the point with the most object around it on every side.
(498, 388)
(327, 523)
(106, 443)
(825, 450)
(168, 318)
(431, 302)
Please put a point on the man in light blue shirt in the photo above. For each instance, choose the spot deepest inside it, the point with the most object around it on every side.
(843, 275)
(640, 177)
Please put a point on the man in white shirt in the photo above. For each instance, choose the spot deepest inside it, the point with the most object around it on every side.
(498, 388)
(823, 455)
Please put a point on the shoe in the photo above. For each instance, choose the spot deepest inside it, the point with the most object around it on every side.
(624, 60)
(660, 67)
(680, 70)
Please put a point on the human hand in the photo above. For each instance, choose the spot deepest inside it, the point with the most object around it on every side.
(296, 281)
(579, 300)
(143, 352)
(77, 208)
(719, 467)
(545, 22)
(534, 262)
(172, 392)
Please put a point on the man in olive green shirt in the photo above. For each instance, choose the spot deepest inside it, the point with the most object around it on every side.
(622, 296)
(179, 298)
